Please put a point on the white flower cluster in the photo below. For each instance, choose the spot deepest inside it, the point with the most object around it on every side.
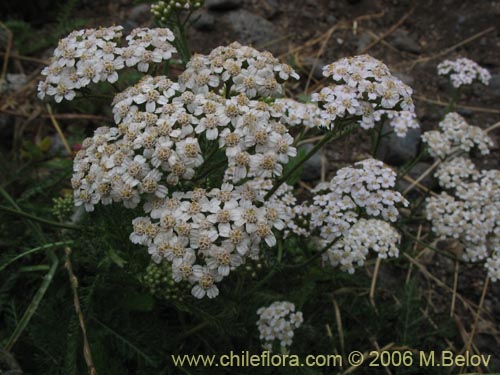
(470, 211)
(365, 189)
(471, 215)
(456, 134)
(239, 69)
(452, 173)
(166, 140)
(159, 137)
(294, 113)
(277, 322)
(463, 71)
(400, 121)
(295, 216)
(94, 55)
(362, 86)
(351, 250)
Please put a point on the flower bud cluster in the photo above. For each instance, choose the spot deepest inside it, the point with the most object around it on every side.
(278, 322)
(463, 71)
(237, 69)
(362, 86)
(95, 55)
(163, 9)
(455, 134)
(351, 250)
(158, 279)
(63, 207)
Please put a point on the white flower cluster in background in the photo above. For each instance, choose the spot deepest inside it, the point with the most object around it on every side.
(278, 322)
(239, 69)
(463, 71)
(452, 173)
(95, 55)
(362, 190)
(351, 250)
(362, 86)
(296, 217)
(469, 210)
(455, 134)
(399, 121)
(294, 113)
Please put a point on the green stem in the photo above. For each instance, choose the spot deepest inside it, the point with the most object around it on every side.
(314, 257)
(280, 249)
(376, 137)
(33, 306)
(47, 280)
(34, 250)
(39, 219)
(454, 99)
(443, 253)
(327, 138)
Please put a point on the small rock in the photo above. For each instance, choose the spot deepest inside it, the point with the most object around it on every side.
(312, 167)
(204, 21)
(140, 13)
(404, 41)
(331, 20)
(396, 150)
(223, 5)
(252, 29)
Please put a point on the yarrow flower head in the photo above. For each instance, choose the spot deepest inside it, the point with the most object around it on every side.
(164, 138)
(239, 69)
(463, 71)
(455, 134)
(277, 322)
(469, 209)
(294, 113)
(362, 86)
(339, 208)
(364, 235)
(96, 55)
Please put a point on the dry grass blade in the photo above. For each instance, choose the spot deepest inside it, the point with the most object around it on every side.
(74, 287)
(478, 314)
(453, 47)
(392, 29)
(421, 177)
(374, 283)
(58, 129)
(468, 107)
(455, 285)
(340, 328)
